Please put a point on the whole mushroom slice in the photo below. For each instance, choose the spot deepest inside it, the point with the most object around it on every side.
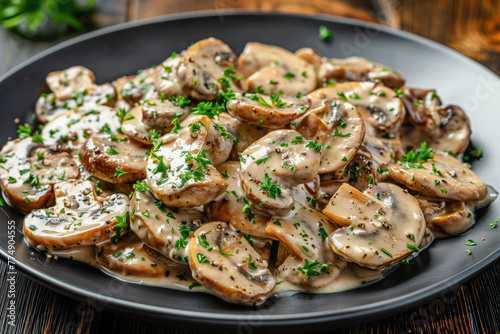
(71, 129)
(446, 218)
(227, 264)
(441, 176)
(129, 258)
(135, 88)
(198, 133)
(350, 69)
(273, 164)
(272, 112)
(47, 107)
(79, 217)
(275, 69)
(155, 117)
(28, 171)
(379, 227)
(339, 127)
(233, 206)
(167, 79)
(242, 132)
(379, 105)
(116, 161)
(168, 231)
(203, 64)
(447, 129)
(181, 179)
(74, 79)
(305, 232)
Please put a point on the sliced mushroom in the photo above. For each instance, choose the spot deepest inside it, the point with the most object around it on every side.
(168, 231)
(382, 111)
(71, 129)
(362, 170)
(228, 265)
(74, 79)
(79, 217)
(350, 69)
(261, 245)
(446, 218)
(28, 171)
(447, 128)
(103, 157)
(380, 107)
(305, 232)
(339, 127)
(233, 206)
(167, 79)
(181, 179)
(203, 64)
(421, 105)
(275, 69)
(47, 107)
(135, 88)
(154, 117)
(268, 111)
(378, 227)
(444, 176)
(270, 166)
(201, 133)
(130, 258)
(242, 132)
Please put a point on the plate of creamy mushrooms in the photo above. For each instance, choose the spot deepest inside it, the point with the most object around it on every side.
(214, 171)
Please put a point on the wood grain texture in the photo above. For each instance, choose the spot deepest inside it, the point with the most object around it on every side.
(470, 26)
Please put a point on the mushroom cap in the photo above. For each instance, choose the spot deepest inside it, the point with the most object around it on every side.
(378, 226)
(446, 218)
(70, 130)
(444, 176)
(166, 77)
(74, 79)
(227, 264)
(78, 218)
(382, 110)
(199, 133)
(202, 65)
(101, 156)
(275, 69)
(279, 160)
(339, 127)
(178, 182)
(29, 170)
(168, 231)
(272, 112)
(135, 88)
(154, 114)
(47, 107)
(350, 69)
(447, 129)
(129, 257)
(229, 207)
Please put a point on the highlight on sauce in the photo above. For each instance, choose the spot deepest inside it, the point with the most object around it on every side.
(243, 176)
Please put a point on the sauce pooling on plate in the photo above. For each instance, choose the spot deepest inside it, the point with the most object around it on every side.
(269, 173)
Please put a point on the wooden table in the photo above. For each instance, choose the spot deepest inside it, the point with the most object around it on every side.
(470, 26)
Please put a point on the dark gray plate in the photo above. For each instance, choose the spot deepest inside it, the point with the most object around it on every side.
(125, 48)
